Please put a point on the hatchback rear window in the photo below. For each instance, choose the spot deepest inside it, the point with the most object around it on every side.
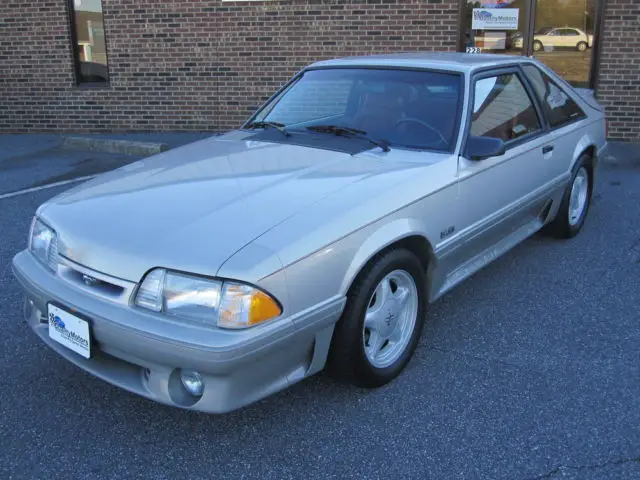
(558, 106)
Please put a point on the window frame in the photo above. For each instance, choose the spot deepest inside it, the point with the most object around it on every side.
(495, 72)
(75, 49)
(571, 121)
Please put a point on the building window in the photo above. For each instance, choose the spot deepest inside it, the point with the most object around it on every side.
(89, 44)
(559, 33)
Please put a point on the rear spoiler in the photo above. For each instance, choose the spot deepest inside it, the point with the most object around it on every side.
(588, 96)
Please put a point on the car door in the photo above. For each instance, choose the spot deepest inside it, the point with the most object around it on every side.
(562, 114)
(504, 194)
(556, 38)
(569, 37)
(578, 36)
(552, 39)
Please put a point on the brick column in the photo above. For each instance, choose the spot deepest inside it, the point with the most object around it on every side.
(618, 86)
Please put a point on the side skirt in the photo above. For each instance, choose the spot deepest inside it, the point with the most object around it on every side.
(489, 255)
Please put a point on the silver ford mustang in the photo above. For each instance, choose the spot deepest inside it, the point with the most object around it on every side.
(315, 235)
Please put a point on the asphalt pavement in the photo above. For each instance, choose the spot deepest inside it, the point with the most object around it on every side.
(529, 369)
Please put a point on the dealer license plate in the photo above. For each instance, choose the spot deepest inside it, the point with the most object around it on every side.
(69, 330)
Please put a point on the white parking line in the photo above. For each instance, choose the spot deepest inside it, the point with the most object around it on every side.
(44, 187)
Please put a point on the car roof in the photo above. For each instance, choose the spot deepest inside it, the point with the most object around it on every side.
(454, 61)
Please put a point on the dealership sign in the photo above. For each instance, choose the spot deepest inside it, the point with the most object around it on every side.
(495, 19)
(495, 3)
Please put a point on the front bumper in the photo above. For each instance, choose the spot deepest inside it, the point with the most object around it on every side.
(143, 353)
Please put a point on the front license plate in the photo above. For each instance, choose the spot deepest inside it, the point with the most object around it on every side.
(69, 330)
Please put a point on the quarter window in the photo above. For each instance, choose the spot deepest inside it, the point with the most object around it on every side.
(558, 107)
(502, 109)
(89, 44)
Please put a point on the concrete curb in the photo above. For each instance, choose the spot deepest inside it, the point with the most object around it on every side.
(622, 153)
(126, 147)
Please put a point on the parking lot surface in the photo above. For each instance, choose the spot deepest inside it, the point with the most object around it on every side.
(529, 369)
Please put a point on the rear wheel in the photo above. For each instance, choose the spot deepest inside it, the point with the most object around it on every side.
(575, 202)
(382, 321)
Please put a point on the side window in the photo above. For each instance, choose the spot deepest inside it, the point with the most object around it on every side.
(558, 107)
(90, 50)
(502, 109)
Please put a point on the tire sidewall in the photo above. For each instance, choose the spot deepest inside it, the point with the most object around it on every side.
(356, 308)
(574, 229)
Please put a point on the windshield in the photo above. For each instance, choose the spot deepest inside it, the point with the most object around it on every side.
(404, 108)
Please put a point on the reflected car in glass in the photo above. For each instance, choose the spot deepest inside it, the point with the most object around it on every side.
(316, 234)
(558, 38)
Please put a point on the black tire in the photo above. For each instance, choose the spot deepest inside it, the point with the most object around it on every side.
(537, 46)
(560, 226)
(582, 46)
(347, 359)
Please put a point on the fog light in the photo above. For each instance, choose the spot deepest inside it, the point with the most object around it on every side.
(192, 382)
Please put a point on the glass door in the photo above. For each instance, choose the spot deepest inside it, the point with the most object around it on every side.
(563, 37)
(494, 26)
(559, 33)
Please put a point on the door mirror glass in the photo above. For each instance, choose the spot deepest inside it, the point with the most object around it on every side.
(479, 148)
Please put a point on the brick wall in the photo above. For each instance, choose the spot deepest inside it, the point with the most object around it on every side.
(192, 64)
(619, 77)
(206, 65)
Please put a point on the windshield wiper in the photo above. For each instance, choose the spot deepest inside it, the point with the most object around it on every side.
(349, 132)
(278, 126)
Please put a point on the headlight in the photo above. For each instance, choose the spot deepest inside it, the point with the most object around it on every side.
(43, 243)
(213, 302)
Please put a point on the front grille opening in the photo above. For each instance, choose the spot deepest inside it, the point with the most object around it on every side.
(93, 284)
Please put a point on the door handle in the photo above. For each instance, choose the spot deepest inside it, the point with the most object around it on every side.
(547, 149)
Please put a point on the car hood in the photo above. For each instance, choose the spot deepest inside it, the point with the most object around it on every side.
(191, 208)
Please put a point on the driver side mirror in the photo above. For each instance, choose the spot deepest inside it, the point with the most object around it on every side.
(479, 148)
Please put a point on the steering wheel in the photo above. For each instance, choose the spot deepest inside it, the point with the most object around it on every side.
(424, 124)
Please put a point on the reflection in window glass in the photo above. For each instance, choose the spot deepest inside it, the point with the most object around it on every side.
(408, 109)
(90, 46)
(564, 37)
(504, 111)
(312, 100)
(477, 33)
(483, 89)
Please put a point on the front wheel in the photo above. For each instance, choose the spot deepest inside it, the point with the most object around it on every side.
(582, 46)
(575, 202)
(382, 321)
(537, 46)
